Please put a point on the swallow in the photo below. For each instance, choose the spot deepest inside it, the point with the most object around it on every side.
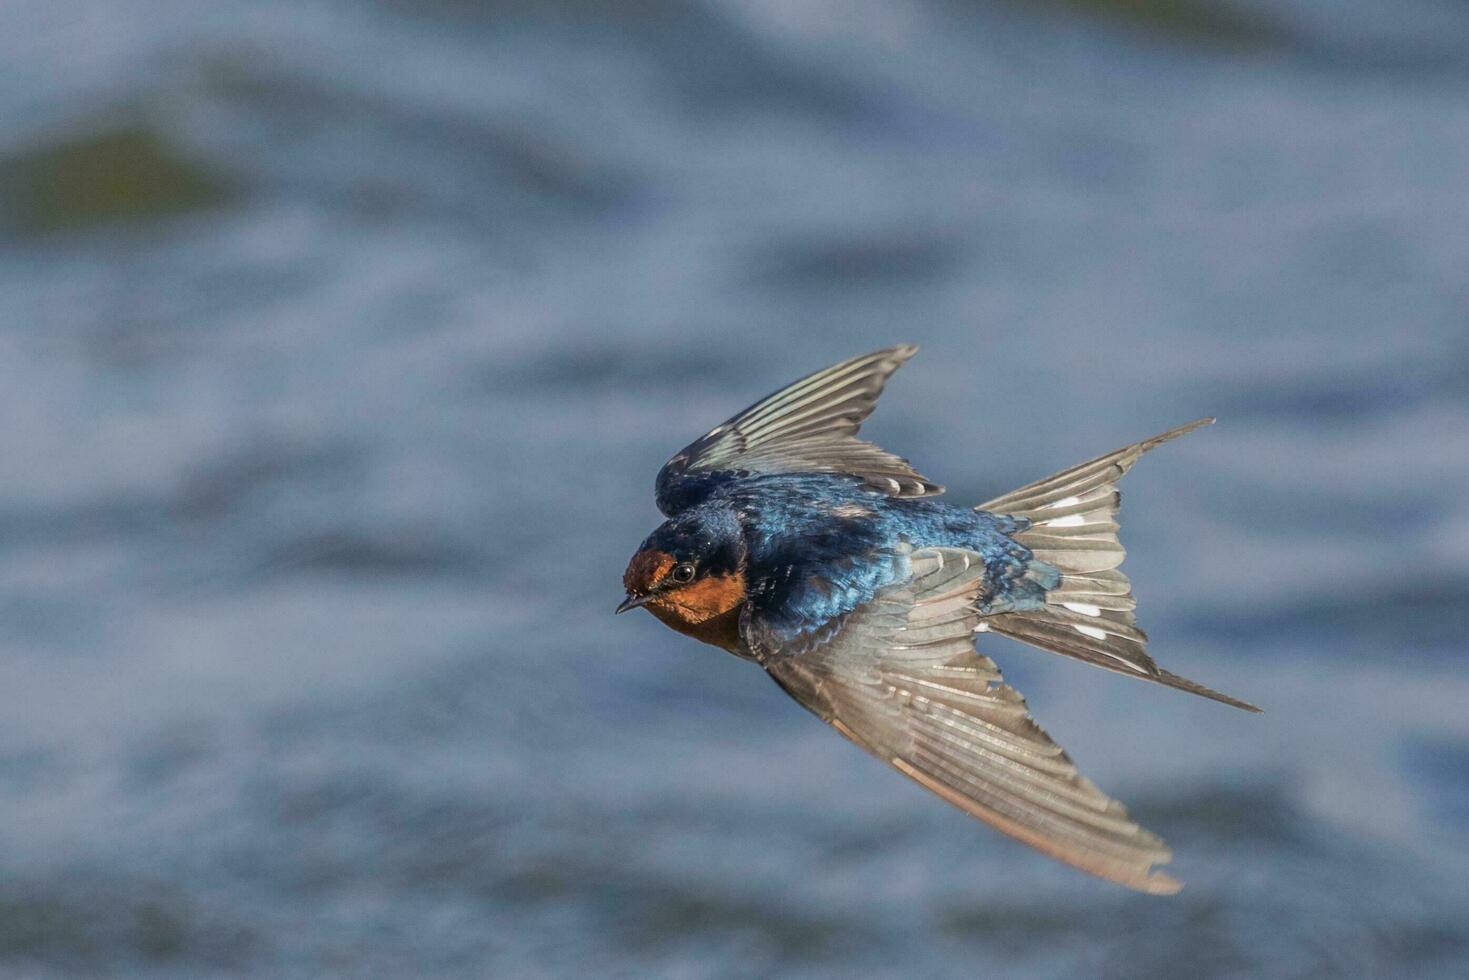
(833, 565)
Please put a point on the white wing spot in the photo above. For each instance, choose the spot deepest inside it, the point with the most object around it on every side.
(1085, 608)
(1091, 631)
(1065, 502)
(1070, 520)
(982, 627)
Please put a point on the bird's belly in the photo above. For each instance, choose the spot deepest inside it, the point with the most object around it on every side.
(722, 630)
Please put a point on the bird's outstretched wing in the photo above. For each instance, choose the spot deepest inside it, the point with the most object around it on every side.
(900, 677)
(807, 427)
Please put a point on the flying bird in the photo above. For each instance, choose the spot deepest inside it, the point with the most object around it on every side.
(835, 566)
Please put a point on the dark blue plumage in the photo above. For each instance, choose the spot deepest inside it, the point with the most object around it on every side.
(817, 546)
(832, 564)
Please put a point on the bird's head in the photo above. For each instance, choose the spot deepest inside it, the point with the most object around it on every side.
(689, 570)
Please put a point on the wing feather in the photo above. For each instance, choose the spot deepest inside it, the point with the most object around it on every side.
(809, 426)
(901, 678)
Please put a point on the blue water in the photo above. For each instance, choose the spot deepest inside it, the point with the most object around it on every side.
(340, 343)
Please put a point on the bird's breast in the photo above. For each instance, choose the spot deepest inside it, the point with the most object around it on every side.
(722, 631)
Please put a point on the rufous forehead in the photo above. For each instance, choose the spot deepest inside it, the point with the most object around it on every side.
(647, 569)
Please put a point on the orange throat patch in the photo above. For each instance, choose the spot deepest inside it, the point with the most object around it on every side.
(708, 610)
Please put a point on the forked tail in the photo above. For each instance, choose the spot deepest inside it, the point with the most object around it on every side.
(1088, 609)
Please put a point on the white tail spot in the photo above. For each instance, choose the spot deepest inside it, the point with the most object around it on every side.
(982, 627)
(1085, 608)
(1070, 520)
(1065, 502)
(1091, 631)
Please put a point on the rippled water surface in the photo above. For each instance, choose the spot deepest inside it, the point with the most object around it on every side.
(340, 342)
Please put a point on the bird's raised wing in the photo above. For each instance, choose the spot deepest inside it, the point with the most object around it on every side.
(807, 427)
(899, 676)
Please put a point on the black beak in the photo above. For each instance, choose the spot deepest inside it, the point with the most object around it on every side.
(631, 602)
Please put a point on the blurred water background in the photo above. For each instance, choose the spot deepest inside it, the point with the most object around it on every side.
(340, 342)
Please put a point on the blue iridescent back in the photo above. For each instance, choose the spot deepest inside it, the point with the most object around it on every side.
(820, 545)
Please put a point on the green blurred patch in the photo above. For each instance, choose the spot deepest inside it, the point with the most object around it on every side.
(124, 174)
(1209, 21)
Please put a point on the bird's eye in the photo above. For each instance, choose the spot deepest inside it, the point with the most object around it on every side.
(682, 573)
